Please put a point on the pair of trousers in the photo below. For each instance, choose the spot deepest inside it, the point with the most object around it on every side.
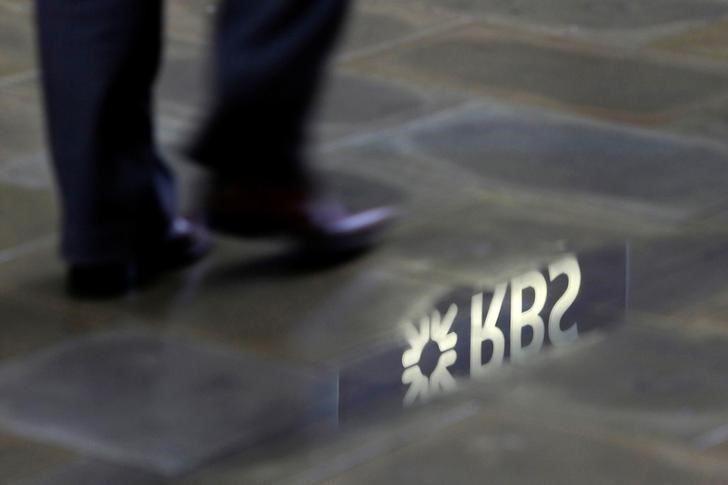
(99, 60)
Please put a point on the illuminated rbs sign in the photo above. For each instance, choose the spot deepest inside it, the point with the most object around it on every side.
(469, 333)
(527, 328)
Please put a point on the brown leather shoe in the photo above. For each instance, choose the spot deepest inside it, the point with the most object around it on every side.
(319, 223)
(186, 243)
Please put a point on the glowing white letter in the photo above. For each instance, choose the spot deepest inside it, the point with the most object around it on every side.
(568, 266)
(528, 318)
(480, 332)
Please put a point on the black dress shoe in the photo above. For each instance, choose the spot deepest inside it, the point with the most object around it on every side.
(185, 244)
(319, 223)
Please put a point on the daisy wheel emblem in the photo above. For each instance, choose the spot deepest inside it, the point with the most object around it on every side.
(431, 338)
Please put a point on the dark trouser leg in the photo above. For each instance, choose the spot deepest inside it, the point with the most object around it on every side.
(269, 57)
(99, 60)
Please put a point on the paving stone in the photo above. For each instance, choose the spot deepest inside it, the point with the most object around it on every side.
(372, 23)
(30, 324)
(368, 29)
(377, 23)
(21, 123)
(353, 104)
(616, 14)
(89, 471)
(311, 459)
(621, 87)
(349, 104)
(427, 186)
(457, 223)
(600, 405)
(280, 304)
(159, 403)
(681, 279)
(16, 39)
(641, 381)
(548, 153)
(710, 121)
(484, 242)
(32, 289)
(22, 460)
(707, 41)
(432, 190)
(23, 158)
(27, 215)
(488, 448)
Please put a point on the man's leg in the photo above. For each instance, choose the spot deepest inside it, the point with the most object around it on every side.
(268, 62)
(99, 59)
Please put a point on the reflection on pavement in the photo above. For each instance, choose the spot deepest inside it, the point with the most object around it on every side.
(168, 404)
(471, 332)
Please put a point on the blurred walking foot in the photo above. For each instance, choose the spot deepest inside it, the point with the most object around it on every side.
(186, 243)
(318, 222)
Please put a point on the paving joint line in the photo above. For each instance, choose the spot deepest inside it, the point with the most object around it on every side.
(407, 39)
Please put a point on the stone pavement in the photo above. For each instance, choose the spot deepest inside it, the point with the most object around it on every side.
(554, 308)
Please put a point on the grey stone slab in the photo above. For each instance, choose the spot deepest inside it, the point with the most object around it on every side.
(159, 403)
(93, 472)
(615, 14)
(705, 41)
(656, 372)
(30, 324)
(682, 279)
(371, 28)
(16, 39)
(546, 153)
(34, 300)
(459, 226)
(315, 458)
(278, 303)
(22, 460)
(26, 215)
(710, 121)
(349, 104)
(483, 242)
(379, 23)
(21, 123)
(372, 23)
(490, 448)
(23, 158)
(603, 84)
(352, 104)
(352, 99)
(427, 186)
(649, 383)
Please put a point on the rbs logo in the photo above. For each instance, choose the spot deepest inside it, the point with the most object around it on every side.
(560, 333)
(538, 313)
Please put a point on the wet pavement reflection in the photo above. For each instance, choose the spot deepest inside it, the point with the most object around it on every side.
(169, 404)
(469, 333)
